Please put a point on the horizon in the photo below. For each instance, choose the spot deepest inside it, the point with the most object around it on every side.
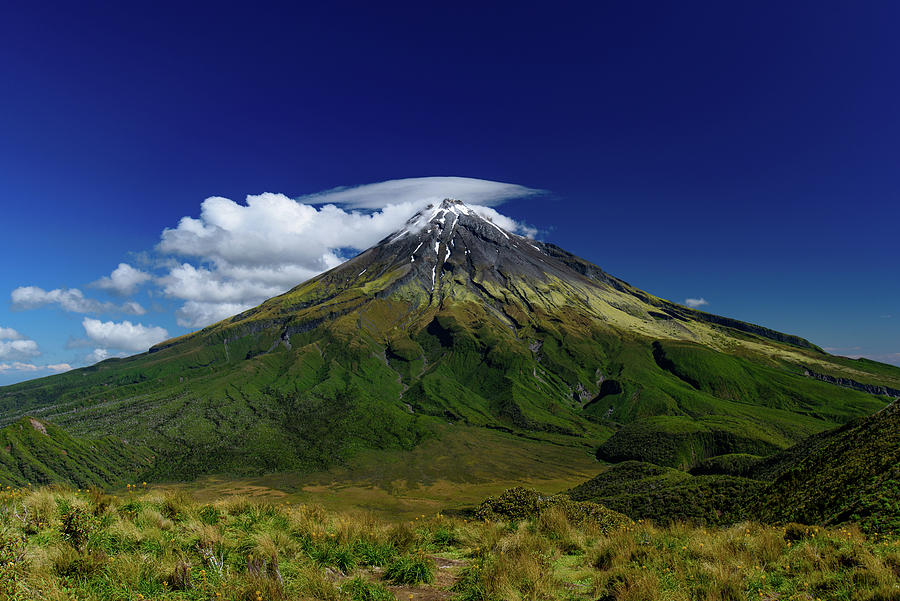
(740, 161)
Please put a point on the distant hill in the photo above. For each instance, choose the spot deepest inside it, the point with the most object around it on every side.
(453, 320)
(662, 494)
(851, 473)
(37, 452)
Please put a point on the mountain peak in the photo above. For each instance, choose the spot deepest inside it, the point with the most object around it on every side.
(454, 320)
(452, 203)
(441, 218)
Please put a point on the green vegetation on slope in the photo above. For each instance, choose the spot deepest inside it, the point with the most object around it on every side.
(480, 329)
(851, 473)
(733, 464)
(693, 402)
(664, 495)
(848, 474)
(34, 452)
(205, 408)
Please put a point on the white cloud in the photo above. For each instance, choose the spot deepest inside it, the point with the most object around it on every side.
(123, 335)
(18, 349)
(31, 367)
(14, 345)
(422, 190)
(696, 302)
(272, 230)
(200, 284)
(123, 280)
(246, 253)
(132, 308)
(9, 334)
(17, 366)
(194, 314)
(99, 354)
(510, 225)
(71, 299)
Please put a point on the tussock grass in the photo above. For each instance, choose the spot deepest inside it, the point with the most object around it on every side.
(68, 544)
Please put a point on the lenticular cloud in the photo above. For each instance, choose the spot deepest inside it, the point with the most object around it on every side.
(423, 190)
(242, 254)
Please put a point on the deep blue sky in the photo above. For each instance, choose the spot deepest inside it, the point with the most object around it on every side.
(746, 153)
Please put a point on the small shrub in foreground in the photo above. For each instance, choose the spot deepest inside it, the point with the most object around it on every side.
(374, 554)
(76, 526)
(361, 590)
(411, 569)
(13, 563)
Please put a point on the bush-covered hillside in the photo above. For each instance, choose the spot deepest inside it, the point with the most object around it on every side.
(452, 321)
(37, 452)
(849, 474)
(852, 473)
(647, 491)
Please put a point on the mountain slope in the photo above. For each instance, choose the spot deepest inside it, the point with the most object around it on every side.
(453, 320)
(37, 452)
(850, 473)
(647, 491)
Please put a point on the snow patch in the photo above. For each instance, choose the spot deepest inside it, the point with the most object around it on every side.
(505, 235)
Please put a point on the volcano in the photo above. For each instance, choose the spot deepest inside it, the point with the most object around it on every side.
(454, 322)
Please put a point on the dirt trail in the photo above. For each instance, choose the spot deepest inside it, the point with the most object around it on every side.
(445, 576)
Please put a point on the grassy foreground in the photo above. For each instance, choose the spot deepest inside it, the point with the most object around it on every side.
(67, 544)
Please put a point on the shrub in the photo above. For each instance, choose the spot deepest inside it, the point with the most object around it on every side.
(520, 503)
(69, 563)
(76, 526)
(209, 515)
(410, 569)
(13, 563)
(444, 536)
(130, 509)
(794, 532)
(181, 576)
(175, 505)
(402, 536)
(332, 555)
(361, 590)
(470, 586)
(374, 554)
(100, 501)
(604, 558)
(513, 504)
